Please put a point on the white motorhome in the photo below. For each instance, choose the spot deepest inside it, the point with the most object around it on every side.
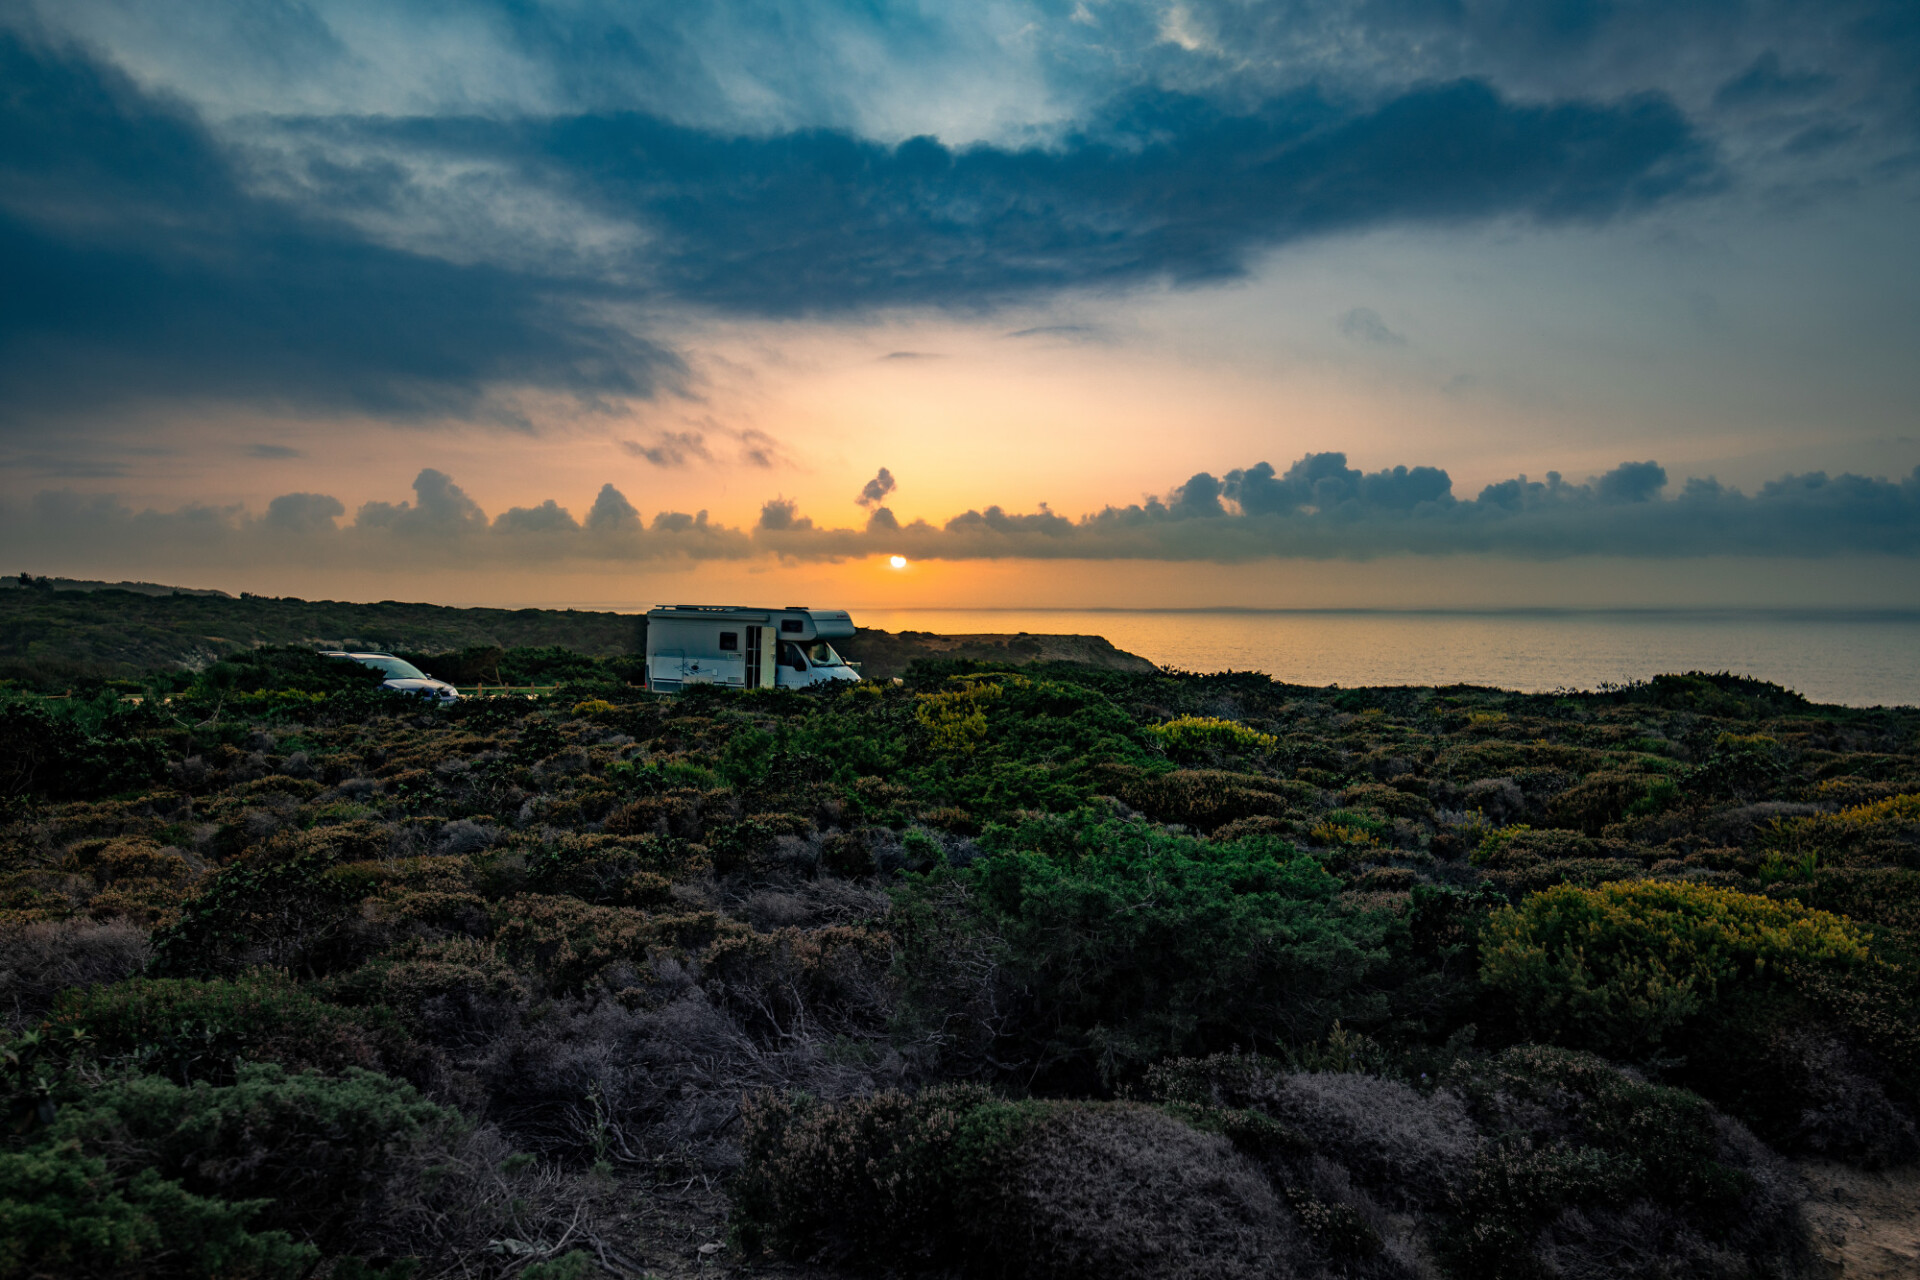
(743, 648)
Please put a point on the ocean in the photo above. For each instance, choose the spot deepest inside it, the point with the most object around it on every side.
(1854, 658)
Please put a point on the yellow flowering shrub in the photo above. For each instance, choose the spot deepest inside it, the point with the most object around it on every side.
(1196, 735)
(1620, 966)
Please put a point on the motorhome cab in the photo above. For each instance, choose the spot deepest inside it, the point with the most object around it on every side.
(745, 648)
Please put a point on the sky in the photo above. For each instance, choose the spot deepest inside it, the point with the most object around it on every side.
(1098, 303)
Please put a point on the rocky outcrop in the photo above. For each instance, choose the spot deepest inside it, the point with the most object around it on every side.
(884, 654)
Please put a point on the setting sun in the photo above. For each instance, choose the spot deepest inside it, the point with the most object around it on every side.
(898, 562)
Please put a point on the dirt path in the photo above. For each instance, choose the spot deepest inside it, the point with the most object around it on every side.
(1866, 1225)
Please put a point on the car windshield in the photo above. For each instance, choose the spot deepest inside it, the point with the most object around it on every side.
(821, 654)
(394, 667)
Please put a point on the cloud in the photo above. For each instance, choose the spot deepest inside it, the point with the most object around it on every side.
(1631, 482)
(758, 449)
(1765, 84)
(440, 508)
(1318, 508)
(304, 513)
(136, 261)
(671, 448)
(875, 491)
(547, 518)
(142, 257)
(612, 514)
(273, 451)
(1156, 186)
(780, 515)
(1363, 324)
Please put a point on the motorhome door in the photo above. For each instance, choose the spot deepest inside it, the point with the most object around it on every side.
(758, 671)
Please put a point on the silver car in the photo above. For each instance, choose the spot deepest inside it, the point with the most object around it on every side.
(402, 676)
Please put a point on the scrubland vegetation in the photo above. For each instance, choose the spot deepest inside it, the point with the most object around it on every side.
(1046, 972)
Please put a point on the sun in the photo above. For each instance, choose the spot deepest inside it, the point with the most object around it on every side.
(898, 562)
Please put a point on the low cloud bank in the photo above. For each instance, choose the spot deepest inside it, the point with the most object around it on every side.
(1318, 508)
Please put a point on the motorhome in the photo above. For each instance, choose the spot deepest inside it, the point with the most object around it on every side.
(742, 648)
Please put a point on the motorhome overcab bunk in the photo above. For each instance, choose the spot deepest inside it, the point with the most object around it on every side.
(745, 648)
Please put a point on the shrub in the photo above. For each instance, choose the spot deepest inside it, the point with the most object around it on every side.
(50, 756)
(1345, 829)
(1591, 1167)
(1072, 1191)
(1620, 968)
(1407, 1148)
(1885, 832)
(281, 911)
(312, 1145)
(956, 721)
(1205, 798)
(1722, 694)
(1122, 945)
(1600, 799)
(203, 1030)
(1197, 737)
(40, 960)
(570, 943)
(64, 1213)
(1739, 766)
(1520, 847)
(786, 983)
(418, 974)
(622, 872)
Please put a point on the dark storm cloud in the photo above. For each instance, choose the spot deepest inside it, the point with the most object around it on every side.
(1161, 186)
(135, 263)
(139, 258)
(1318, 508)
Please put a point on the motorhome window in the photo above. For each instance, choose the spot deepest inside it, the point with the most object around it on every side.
(821, 654)
(790, 656)
(791, 624)
(729, 642)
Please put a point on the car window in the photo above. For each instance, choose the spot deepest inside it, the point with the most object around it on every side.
(821, 654)
(395, 668)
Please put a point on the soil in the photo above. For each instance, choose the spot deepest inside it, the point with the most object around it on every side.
(1865, 1225)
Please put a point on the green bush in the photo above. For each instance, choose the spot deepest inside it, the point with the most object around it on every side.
(1621, 968)
(314, 1145)
(1739, 767)
(203, 1030)
(49, 756)
(1119, 944)
(138, 1175)
(63, 1212)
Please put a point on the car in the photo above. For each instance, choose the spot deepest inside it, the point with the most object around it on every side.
(402, 676)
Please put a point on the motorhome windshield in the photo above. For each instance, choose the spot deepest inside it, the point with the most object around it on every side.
(821, 654)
